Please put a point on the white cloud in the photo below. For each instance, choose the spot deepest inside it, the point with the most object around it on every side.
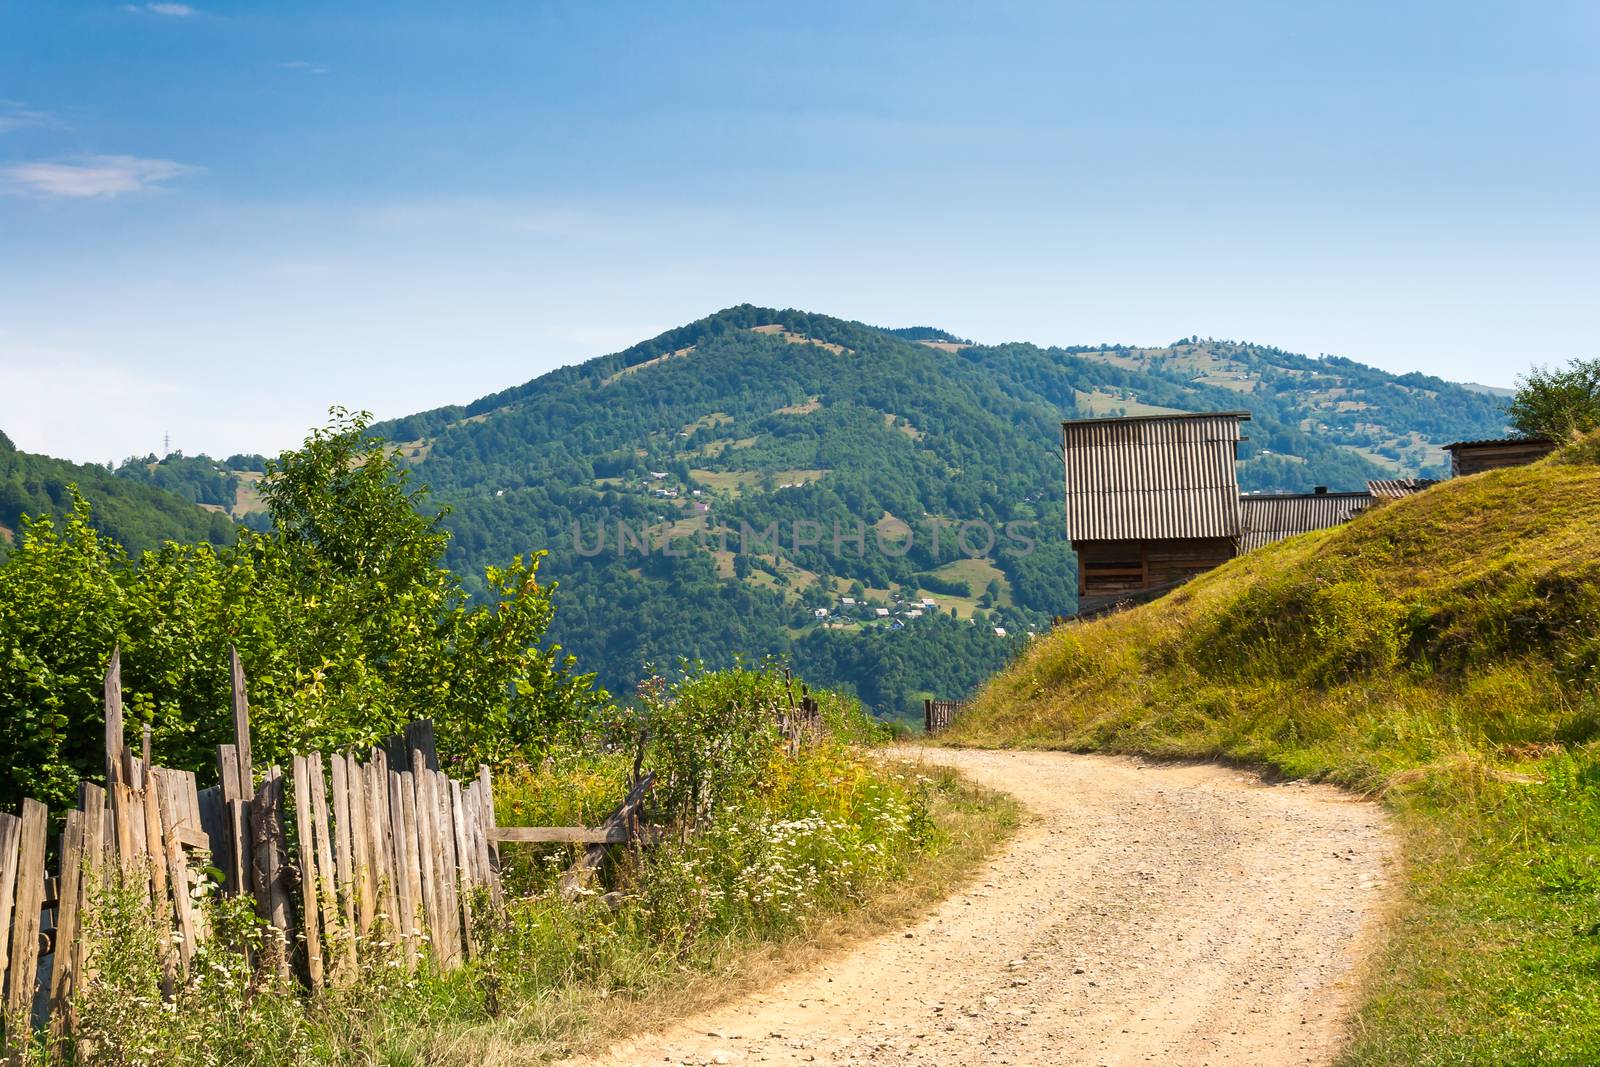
(305, 66)
(15, 116)
(178, 11)
(92, 177)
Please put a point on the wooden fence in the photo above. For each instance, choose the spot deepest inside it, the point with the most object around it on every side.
(804, 717)
(939, 714)
(330, 850)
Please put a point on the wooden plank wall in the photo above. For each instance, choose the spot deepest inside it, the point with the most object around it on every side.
(382, 845)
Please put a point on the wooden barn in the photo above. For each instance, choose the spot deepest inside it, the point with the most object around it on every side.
(1471, 457)
(1151, 501)
(1269, 517)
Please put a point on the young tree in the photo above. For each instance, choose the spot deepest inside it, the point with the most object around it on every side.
(347, 623)
(1558, 403)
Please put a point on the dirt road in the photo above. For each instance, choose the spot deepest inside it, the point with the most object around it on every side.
(1145, 914)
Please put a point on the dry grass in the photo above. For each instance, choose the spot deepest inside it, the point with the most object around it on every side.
(637, 367)
(736, 482)
(582, 1018)
(1101, 403)
(774, 329)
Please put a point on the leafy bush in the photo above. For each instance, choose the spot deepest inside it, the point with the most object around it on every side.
(1558, 403)
(346, 621)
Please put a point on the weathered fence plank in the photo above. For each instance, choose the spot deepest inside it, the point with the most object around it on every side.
(306, 834)
(403, 806)
(169, 799)
(327, 875)
(450, 898)
(269, 870)
(344, 849)
(241, 724)
(576, 878)
(63, 977)
(23, 974)
(113, 717)
(10, 844)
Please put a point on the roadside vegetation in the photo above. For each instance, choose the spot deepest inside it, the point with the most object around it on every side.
(772, 853)
(348, 625)
(1441, 653)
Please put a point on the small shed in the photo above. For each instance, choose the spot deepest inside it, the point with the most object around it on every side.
(1269, 517)
(1472, 457)
(1151, 500)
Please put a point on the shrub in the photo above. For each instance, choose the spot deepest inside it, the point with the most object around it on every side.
(346, 621)
(1558, 403)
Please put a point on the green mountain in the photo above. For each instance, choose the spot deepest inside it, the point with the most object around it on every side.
(138, 516)
(842, 437)
(729, 486)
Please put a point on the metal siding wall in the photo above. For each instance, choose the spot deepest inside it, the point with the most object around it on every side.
(1151, 479)
(1272, 518)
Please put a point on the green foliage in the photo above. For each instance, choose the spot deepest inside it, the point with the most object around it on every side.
(1558, 403)
(890, 670)
(712, 736)
(60, 602)
(220, 1015)
(934, 583)
(1357, 626)
(197, 478)
(346, 622)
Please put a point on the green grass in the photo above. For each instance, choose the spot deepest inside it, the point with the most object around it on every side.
(1440, 653)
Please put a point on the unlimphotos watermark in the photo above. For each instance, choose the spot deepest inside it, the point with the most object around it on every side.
(974, 538)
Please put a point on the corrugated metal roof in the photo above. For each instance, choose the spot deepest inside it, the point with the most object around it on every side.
(1272, 517)
(1395, 488)
(1490, 442)
(1151, 477)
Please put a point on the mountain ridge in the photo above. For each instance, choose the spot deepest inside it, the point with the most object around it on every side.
(760, 419)
(784, 416)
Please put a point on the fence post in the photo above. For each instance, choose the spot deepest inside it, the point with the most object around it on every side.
(113, 717)
(23, 976)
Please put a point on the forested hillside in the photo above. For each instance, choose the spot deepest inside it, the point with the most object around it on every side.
(883, 505)
(139, 517)
(847, 440)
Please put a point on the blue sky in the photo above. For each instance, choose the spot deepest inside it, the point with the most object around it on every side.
(218, 219)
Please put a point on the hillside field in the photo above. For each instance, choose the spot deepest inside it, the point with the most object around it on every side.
(1440, 653)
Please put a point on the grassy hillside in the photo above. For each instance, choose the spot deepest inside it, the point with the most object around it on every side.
(1441, 652)
(138, 516)
(759, 416)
